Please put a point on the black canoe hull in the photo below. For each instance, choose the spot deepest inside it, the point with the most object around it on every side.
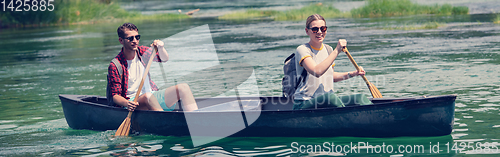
(416, 116)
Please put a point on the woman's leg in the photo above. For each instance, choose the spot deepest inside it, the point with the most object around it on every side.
(355, 99)
(180, 92)
(323, 101)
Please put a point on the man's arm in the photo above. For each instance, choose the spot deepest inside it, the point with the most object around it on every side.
(161, 50)
(114, 81)
(119, 100)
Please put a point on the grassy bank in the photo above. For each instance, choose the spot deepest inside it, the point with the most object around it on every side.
(293, 14)
(379, 8)
(372, 8)
(428, 25)
(78, 12)
(327, 11)
(95, 11)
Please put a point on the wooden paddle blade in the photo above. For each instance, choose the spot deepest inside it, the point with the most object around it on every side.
(124, 128)
(375, 92)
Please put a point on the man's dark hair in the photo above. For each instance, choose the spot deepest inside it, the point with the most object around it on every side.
(126, 27)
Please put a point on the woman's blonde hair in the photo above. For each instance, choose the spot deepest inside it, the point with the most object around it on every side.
(312, 18)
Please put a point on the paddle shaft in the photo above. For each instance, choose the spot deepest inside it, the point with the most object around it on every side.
(126, 122)
(145, 75)
(355, 64)
(373, 90)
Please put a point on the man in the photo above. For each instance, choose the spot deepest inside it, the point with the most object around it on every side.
(123, 87)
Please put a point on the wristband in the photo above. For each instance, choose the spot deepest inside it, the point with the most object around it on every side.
(349, 75)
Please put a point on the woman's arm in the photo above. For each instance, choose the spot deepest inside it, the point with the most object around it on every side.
(340, 76)
(319, 69)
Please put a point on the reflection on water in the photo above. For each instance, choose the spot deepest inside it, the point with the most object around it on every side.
(460, 57)
(273, 146)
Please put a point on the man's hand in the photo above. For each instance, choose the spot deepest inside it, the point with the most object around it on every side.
(131, 106)
(157, 43)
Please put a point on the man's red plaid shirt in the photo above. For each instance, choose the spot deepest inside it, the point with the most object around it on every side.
(120, 85)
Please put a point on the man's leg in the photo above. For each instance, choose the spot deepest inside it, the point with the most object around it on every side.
(180, 92)
(148, 102)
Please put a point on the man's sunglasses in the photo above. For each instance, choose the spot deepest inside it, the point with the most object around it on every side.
(131, 38)
(315, 29)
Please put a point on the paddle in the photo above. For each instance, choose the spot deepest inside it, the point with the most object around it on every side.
(124, 128)
(373, 89)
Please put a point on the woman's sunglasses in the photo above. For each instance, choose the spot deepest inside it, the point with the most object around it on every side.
(131, 38)
(315, 29)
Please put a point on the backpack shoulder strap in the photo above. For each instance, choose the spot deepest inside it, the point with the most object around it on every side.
(303, 75)
(302, 78)
(108, 89)
(118, 66)
(289, 57)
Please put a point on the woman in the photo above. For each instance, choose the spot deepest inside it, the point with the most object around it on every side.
(314, 57)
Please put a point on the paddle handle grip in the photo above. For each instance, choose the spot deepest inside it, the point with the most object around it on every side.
(355, 64)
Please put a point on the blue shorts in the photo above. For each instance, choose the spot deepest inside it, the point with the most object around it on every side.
(160, 96)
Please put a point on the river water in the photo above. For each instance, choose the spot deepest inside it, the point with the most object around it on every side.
(460, 57)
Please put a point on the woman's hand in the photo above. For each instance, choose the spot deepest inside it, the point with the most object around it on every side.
(361, 72)
(341, 45)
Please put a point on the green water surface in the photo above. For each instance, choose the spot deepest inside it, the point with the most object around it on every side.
(461, 57)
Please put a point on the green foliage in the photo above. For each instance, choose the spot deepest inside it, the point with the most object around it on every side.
(78, 11)
(302, 13)
(85, 10)
(10, 17)
(249, 14)
(378, 8)
(428, 25)
(294, 14)
(90, 11)
(460, 10)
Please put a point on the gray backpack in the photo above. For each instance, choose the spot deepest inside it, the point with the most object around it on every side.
(108, 88)
(290, 82)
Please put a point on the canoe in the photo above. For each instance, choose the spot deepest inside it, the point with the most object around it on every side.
(272, 117)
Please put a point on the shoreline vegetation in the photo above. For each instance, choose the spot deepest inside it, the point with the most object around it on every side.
(71, 12)
(371, 9)
(74, 12)
(407, 27)
(294, 14)
(385, 8)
